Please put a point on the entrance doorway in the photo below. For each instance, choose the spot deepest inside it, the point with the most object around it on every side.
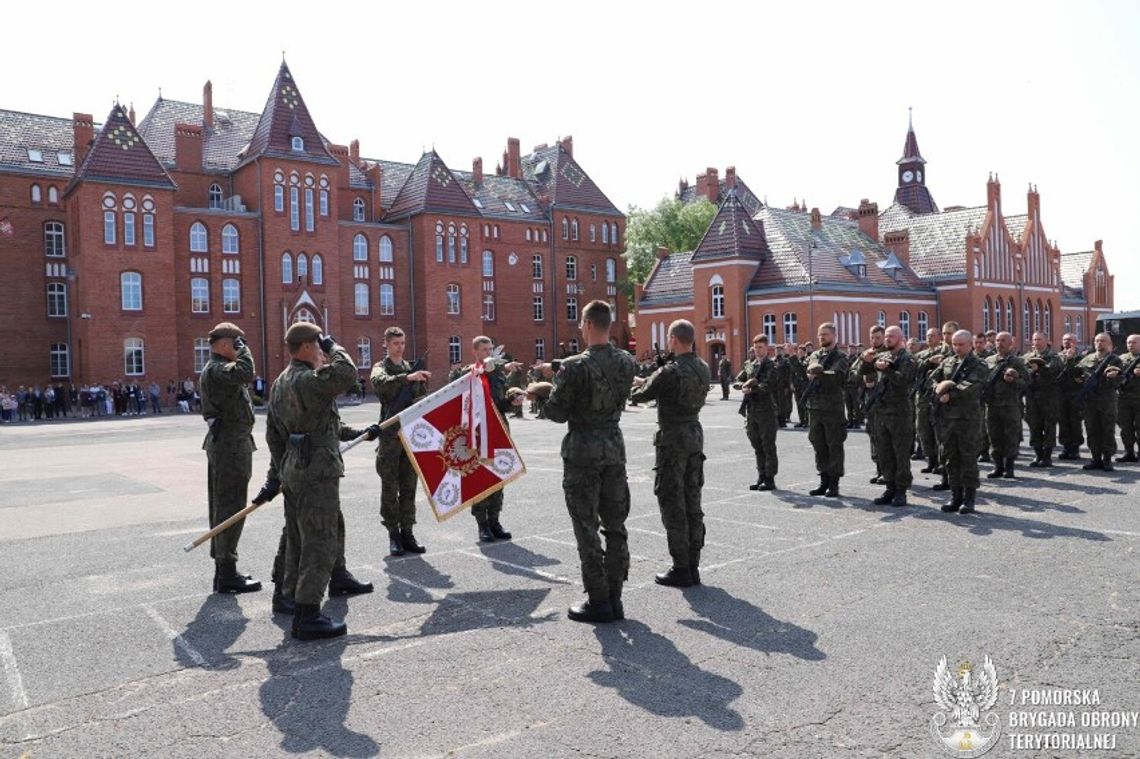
(716, 353)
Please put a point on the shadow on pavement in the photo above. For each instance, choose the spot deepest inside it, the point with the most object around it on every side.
(515, 554)
(983, 522)
(217, 626)
(648, 671)
(415, 569)
(460, 612)
(737, 621)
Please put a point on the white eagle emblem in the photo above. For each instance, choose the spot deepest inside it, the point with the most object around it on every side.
(967, 699)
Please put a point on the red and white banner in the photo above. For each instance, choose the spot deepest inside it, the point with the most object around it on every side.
(459, 445)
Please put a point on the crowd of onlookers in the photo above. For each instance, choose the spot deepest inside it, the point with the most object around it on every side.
(50, 402)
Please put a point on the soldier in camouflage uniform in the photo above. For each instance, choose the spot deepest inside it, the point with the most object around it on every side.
(1042, 399)
(590, 392)
(757, 380)
(797, 361)
(957, 386)
(924, 428)
(783, 386)
(229, 447)
(860, 376)
(983, 350)
(397, 385)
(680, 388)
(1128, 403)
(890, 411)
(1005, 383)
(486, 510)
(1069, 433)
(303, 431)
(1100, 374)
(853, 391)
(827, 424)
(724, 373)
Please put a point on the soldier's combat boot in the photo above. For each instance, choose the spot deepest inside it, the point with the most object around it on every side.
(342, 583)
(944, 484)
(282, 604)
(675, 577)
(497, 529)
(1074, 452)
(767, 483)
(231, 581)
(1106, 463)
(411, 545)
(1066, 453)
(887, 497)
(485, 535)
(877, 479)
(823, 483)
(1129, 457)
(615, 603)
(1037, 455)
(955, 501)
(984, 457)
(900, 499)
(832, 488)
(917, 455)
(931, 465)
(310, 624)
(1094, 464)
(694, 564)
(758, 485)
(999, 470)
(1046, 458)
(601, 610)
(395, 543)
(968, 501)
(1008, 473)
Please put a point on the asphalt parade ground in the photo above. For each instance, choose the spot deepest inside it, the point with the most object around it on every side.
(816, 633)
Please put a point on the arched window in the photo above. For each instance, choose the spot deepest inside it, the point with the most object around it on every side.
(310, 220)
(134, 357)
(387, 300)
(565, 228)
(364, 352)
(770, 328)
(302, 266)
(995, 322)
(231, 295)
(488, 264)
(453, 299)
(923, 323)
(986, 315)
(571, 268)
(324, 195)
(318, 277)
(536, 266)
(904, 323)
(231, 243)
(451, 243)
(199, 295)
(718, 301)
(37, 194)
(614, 233)
(528, 234)
(54, 239)
(199, 238)
(385, 249)
(1025, 318)
(359, 248)
(1036, 317)
(294, 202)
(611, 270)
(1079, 329)
(463, 244)
(605, 233)
(215, 193)
(57, 299)
(574, 230)
(1047, 320)
(130, 291)
(1068, 324)
(286, 269)
(129, 220)
(148, 221)
(1009, 316)
(53, 196)
(439, 242)
(201, 353)
(279, 192)
(360, 299)
(305, 315)
(881, 319)
(790, 326)
(298, 145)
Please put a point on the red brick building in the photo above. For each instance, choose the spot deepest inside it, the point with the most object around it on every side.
(126, 242)
(784, 271)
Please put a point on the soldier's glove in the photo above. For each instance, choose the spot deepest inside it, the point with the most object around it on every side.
(373, 432)
(238, 343)
(268, 491)
(326, 342)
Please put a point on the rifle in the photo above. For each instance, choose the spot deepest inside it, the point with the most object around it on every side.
(1092, 382)
(991, 381)
(935, 406)
(813, 385)
(879, 390)
(747, 400)
(1127, 374)
(403, 398)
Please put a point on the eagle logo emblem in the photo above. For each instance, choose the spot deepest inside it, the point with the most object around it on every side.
(970, 729)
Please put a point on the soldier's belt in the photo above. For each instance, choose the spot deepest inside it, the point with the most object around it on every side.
(301, 446)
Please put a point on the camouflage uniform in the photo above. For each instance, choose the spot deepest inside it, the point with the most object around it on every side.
(856, 375)
(827, 424)
(1003, 408)
(397, 475)
(491, 506)
(680, 388)
(890, 419)
(799, 384)
(517, 378)
(959, 422)
(924, 422)
(303, 401)
(760, 421)
(783, 389)
(1128, 410)
(984, 451)
(590, 392)
(1043, 401)
(1070, 434)
(724, 372)
(229, 444)
(1099, 407)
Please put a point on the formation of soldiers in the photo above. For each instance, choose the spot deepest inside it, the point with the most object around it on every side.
(951, 401)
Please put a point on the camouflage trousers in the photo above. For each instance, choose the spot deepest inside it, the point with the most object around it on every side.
(1128, 417)
(893, 438)
(1069, 433)
(679, 477)
(597, 497)
(724, 388)
(801, 409)
(227, 474)
(961, 441)
(872, 418)
(397, 484)
(1003, 425)
(1041, 412)
(761, 431)
(827, 430)
(283, 555)
(784, 403)
(924, 426)
(489, 507)
(853, 402)
(1100, 426)
(314, 541)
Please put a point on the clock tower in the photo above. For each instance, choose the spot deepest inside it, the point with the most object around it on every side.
(912, 191)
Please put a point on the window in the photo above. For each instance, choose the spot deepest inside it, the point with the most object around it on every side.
(130, 290)
(451, 243)
(298, 144)
(37, 194)
(605, 233)
(53, 239)
(718, 301)
(294, 209)
(572, 346)
(279, 198)
(57, 299)
(310, 223)
(324, 202)
(201, 354)
(1009, 315)
(995, 321)
(1068, 324)
(358, 209)
(572, 310)
(1036, 318)
(593, 272)
(770, 328)
(453, 354)
(64, 159)
(385, 249)
(540, 349)
(231, 296)
(923, 323)
(528, 234)
(109, 227)
(571, 268)
(565, 228)
(1025, 318)
(199, 239)
(594, 232)
(537, 308)
(286, 269)
(881, 319)
(134, 362)
(614, 233)
(574, 230)
(128, 228)
(453, 299)
(305, 315)
(495, 231)
(318, 277)
(215, 193)
(463, 246)
(536, 266)
(439, 242)
(60, 360)
(1048, 320)
(199, 295)
(53, 196)
(611, 270)
(360, 248)
(231, 243)
(364, 352)
(488, 264)
(302, 267)
(790, 327)
(986, 315)
(904, 323)
(488, 307)
(148, 223)
(387, 300)
(360, 299)
(35, 156)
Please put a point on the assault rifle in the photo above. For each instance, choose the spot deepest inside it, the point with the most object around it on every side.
(1126, 373)
(1092, 382)
(747, 400)
(880, 388)
(403, 398)
(813, 385)
(991, 381)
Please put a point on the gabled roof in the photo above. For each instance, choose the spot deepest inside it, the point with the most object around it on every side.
(553, 172)
(937, 240)
(430, 187)
(1074, 266)
(732, 233)
(1016, 226)
(21, 132)
(286, 116)
(495, 192)
(222, 143)
(119, 154)
(671, 282)
(750, 200)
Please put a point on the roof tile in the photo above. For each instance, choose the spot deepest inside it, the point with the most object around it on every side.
(119, 154)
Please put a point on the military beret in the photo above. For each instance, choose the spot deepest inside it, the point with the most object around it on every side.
(225, 329)
(302, 332)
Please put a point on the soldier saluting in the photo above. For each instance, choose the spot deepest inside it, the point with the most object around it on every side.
(758, 381)
(958, 382)
(1100, 373)
(827, 425)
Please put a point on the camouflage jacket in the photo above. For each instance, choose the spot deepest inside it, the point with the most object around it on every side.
(892, 386)
(679, 388)
(590, 391)
(1043, 379)
(1004, 394)
(224, 386)
(303, 400)
(762, 399)
(387, 381)
(825, 391)
(925, 367)
(965, 396)
(1105, 393)
(798, 367)
(1130, 391)
(724, 370)
(1069, 378)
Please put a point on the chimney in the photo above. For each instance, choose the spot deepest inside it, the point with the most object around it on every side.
(568, 145)
(540, 146)
(730, 178)
(188, 147)
(514, 165)
(816, 220)
(374, 174)
(868, 216)
(662, 252)
(712, 188)
(899, 244)
(340, 153)
(83, 131)
(1033, 203)
(131, 113)
(477, 171)
(208, 105)
(354, 151)
(993, 193)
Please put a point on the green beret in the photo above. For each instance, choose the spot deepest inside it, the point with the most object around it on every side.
(225, 329)
(302, 332)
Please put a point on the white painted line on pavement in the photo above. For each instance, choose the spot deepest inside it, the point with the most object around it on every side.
(12, 673)
(742, 523)
(707, 542)
(567, 543)
(520, 567)
(174, 635)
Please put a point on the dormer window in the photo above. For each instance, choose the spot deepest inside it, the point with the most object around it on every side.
(892, 266)
(35, 156)
(855, 263)
(299, 144)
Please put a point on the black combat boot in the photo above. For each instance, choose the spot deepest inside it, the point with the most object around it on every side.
(694, 564)
(601, 610)
(497, 529)
(675, 577)
(485, 535)
(823, 483)
(767, 483)
(931, 465)
(887, 497)
(832, 488)
(342, 583)
(1008, 473)
(1037, 455)
(1106, 463)
(1046, 458)
(1074, 452)
(900, 498)
(395, 543)
(310, 624)
(231, 581)
(1094, 464)
(968, 501)
(758, 485)
(282, 604)
(877, 479)
(917, 455)
(944, 484)
(984, 457)
(411, 545)
(1129, 457)
(1066, 453)
(616, 604)
(999, 470)
(955, 502)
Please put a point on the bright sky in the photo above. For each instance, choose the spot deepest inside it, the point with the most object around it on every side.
(807, 100)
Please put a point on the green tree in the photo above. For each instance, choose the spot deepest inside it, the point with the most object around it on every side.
(675, 225)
